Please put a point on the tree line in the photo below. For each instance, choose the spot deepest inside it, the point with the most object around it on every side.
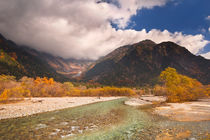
(10, 88)
(176, 87)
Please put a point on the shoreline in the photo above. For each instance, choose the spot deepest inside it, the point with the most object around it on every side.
(187, 111)
(31, 106)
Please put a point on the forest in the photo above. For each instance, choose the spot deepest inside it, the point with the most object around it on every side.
(10, 88)
(176, 87)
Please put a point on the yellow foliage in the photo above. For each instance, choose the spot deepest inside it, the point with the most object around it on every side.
(105, 91)
(73, 92)
(1, 54)
(159, 90)
(16, 92)
(51, 81)
(37, 81)
(44, 80)
(108, 91)
(207, 90)
(181, 88)
(68, 86)
(6, 78)
(44, 87)
(4, 95)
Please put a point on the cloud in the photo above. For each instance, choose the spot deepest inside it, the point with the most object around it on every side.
(206, 55)
(82, 28)
(208, 18)
(209, 29)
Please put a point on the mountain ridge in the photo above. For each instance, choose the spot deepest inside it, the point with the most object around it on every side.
(142, 62)
(33, 63)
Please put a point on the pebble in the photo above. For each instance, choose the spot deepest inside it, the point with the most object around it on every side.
(33, 105)
(40, 126)
(192, 139)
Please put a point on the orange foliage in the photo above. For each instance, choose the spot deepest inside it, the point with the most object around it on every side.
(181, 88)
(13, 55)
(159, 90)
(15, 93)
(108, 91)
(44, 80)
(1, 54)
(47, 87)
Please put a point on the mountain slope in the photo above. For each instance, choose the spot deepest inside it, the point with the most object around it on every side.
(23, 61)
(141, 63)
(68, 67)
(24, 64)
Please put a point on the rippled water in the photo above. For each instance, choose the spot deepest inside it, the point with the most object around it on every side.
(111, 120)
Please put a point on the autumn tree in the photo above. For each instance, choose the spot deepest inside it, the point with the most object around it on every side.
(7, 81)
(47, 87)
(10, 88)
(179, 87)
(159, 90)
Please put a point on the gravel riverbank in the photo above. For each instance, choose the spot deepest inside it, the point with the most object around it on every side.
(39, 105)
(187, 111)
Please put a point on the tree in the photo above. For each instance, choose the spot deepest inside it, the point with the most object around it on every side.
(179, 87)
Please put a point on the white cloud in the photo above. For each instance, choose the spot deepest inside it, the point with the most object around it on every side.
(209, 29)
(208, 18)
(206, 55)
(130, 7)
(81, 28)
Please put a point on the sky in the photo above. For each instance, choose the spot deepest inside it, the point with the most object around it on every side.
(89, 29)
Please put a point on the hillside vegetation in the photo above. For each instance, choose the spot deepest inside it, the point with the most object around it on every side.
(22, 61)
(176, 87)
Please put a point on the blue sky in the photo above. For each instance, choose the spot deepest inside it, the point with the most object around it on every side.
(186, 16)
(89, 29)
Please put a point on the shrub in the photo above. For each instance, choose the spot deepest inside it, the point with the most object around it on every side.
(159, 90)
(108, 91)
(47, 87)
(7, 82)
(14, 93)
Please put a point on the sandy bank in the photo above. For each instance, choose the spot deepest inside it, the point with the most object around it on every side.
(188, 111)
(145, 100)
(39, 105)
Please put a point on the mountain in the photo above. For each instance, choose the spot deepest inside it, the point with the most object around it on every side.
(141, 64)
(70, 68)
(23, 61)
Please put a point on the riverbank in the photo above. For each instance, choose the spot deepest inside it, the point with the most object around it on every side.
(187, 111)
(108, 120)
(30, 106)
